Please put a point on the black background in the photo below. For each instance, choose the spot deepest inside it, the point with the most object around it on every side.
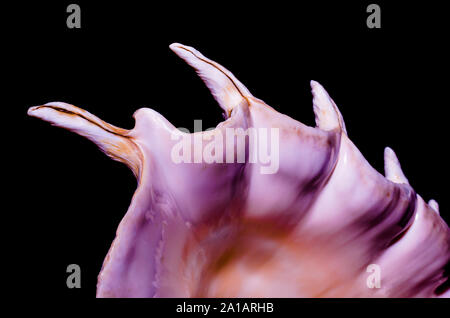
(390, 84)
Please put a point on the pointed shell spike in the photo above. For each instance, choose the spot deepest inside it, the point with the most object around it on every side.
(434, 205)
(328, 116)
(392, 168)
(112, 140)
(224, 86)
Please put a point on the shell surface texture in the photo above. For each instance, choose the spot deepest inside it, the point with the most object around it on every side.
(217, 214)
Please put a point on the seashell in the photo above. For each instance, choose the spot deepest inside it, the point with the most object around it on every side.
(313, 225)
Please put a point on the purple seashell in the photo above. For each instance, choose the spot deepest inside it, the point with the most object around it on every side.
(212, 217)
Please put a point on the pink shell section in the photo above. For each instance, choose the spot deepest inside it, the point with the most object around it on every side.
(226, 230)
